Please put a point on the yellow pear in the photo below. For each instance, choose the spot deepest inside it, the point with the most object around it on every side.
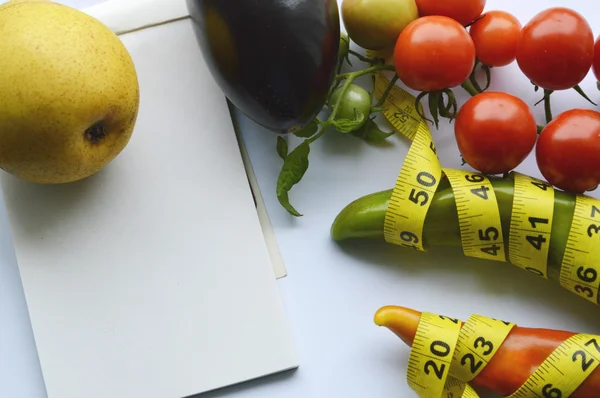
(69, 93)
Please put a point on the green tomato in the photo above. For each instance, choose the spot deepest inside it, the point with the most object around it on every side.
(355, 99)
(376, 24)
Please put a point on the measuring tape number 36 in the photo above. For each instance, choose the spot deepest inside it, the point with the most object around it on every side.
(528, 242)
(445, 357)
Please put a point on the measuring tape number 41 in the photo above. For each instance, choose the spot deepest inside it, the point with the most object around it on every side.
(528, 242)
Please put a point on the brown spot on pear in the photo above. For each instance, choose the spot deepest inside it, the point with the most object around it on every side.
(69, 93)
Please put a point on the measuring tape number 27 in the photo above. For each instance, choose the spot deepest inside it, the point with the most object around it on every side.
(446, 357)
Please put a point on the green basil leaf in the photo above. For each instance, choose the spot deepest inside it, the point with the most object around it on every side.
(308, 131)
(292, 171)
(282, 147)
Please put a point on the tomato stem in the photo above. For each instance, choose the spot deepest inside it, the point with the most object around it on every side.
(419, 108)
(469, 88)
(363, 58)
(475, 20)
(358, 73)
(473, 77)
(547, 107)
(475, 83)
(336, 83)
(582, 93)
(387, 91)
(434, 104)
(472, 80)
(449, 110)
(488, 75)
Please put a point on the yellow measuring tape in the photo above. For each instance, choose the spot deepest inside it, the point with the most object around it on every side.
(445, 357)
(528, 241)
(531, 224)
(478, 215)
(579, 269)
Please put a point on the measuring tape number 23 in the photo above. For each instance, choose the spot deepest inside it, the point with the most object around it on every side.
(446, 357)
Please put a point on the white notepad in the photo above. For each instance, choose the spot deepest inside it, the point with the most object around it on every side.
(152, 278)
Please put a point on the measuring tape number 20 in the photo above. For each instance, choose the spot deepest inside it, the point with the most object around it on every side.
(445, 357)
(528, 240)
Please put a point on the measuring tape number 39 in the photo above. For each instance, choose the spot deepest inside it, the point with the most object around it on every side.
(445, 357)
(528, 242)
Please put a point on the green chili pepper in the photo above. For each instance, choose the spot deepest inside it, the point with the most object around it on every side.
(364, 219)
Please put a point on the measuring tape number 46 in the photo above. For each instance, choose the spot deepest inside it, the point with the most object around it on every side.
(478, 211)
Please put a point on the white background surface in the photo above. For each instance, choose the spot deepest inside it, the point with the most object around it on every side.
(332, 291)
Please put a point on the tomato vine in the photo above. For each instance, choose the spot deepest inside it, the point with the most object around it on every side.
(465, 55)
(361, 124)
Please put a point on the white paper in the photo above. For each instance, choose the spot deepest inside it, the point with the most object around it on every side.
(152, 278)
(123, 16)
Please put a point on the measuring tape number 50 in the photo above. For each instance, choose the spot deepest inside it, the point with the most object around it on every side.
(479, 218)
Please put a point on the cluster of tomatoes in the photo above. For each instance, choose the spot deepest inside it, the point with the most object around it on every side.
(436, 45)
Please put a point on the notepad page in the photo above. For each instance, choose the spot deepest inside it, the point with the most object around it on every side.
(152, 278)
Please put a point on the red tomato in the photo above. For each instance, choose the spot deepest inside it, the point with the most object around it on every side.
(463, 11)
(495, 132)
(434, 53)
(556, 49)
(495, 36)
(568, 150)
(596, 62)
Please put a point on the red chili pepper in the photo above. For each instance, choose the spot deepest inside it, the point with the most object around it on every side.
(521, 353)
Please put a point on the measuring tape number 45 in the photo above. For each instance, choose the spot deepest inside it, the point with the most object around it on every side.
(478, 211)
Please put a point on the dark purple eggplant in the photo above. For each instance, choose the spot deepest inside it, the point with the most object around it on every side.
(275, 60)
